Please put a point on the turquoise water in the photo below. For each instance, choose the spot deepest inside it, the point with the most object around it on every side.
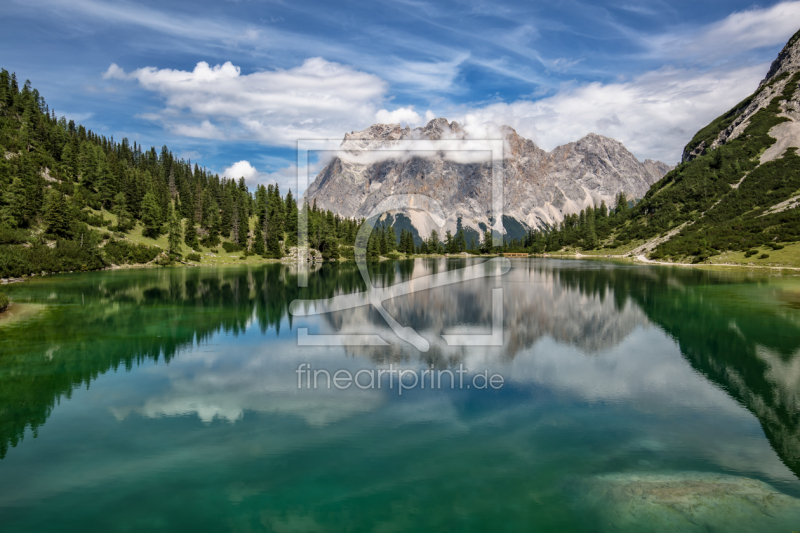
(633, 399)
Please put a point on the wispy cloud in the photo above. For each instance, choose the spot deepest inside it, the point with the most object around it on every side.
(318, 99)
(654, 114)
(128, 14)
(735, 34)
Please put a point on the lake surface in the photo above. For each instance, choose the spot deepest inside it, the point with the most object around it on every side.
(632, 399)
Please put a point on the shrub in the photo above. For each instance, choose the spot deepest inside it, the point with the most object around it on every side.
(12, 236)
(347, 252)
(763, 256)
(12, 262)
(16, 261)
(776, 246)
(231, 247)
(4, 301)
(123, 252)
(92, 219)
(748, 253)
(243, 257)
(193, 257)
(210, 242)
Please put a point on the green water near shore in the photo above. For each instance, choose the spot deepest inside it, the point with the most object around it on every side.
(168, 400)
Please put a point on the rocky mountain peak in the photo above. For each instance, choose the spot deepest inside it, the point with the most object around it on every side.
(787, 61)
(540, 187)
(439, 128)
(733, 123)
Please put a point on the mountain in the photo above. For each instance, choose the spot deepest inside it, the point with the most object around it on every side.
(64, 189)
(733, 124)
(540, 187)
(738, 187)
(737, 190)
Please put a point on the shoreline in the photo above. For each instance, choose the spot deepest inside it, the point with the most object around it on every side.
(642, 260)
(635, 260)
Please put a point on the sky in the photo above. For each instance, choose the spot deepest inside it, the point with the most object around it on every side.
(233, 85)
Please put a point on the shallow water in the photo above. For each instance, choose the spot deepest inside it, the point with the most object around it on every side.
(168, 400)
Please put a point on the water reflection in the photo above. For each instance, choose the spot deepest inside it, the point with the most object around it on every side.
(589, 330)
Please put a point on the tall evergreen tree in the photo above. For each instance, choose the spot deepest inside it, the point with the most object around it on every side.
(291, 220)
(174, 224)
(58, 216)
(243, 229)
(151, 216)
(190, 235)
(258, 240)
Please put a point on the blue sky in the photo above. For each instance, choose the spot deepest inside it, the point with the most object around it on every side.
(234, 84)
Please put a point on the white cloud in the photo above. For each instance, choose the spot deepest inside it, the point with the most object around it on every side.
(739, 32)
(653, 115)
(114, 72)
(318, 99)
(241, 169)
(428, 76)
(402, 115)
(204, 130)
(285, 178)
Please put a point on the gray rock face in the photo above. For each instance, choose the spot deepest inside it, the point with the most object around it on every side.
(539, 187)
(788, 64)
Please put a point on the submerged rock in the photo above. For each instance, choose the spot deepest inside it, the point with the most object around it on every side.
(689, 502)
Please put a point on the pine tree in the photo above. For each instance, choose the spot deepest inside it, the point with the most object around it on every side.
(258, 240)
(461, 241)
(58, 216)
(384, 245)
(190, 235)
(151, 216)
(209, 209)
(391, 239)
(273, 243)
(243, 229)
(373, 247)
(433, 242)
(121, 210)
(486, 245)
(226, 214)
(174, 238)
(291, 220)
(622, 203)
(329, 246)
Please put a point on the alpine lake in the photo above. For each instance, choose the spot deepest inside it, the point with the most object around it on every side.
(625, 398)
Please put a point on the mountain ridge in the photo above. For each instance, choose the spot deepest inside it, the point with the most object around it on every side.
(732, 124)
(540, 187)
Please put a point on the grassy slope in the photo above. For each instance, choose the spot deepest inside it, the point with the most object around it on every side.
(724, 222)
(221, 257)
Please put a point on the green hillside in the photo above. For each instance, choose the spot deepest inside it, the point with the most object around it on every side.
(723, 201)
(73, 200)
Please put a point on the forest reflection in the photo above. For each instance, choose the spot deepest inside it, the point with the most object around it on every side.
(99, 322)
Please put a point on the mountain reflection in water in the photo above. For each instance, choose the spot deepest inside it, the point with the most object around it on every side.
(562, 322)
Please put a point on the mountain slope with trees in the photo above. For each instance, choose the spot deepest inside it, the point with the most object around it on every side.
(737, 189)
(73, 200)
